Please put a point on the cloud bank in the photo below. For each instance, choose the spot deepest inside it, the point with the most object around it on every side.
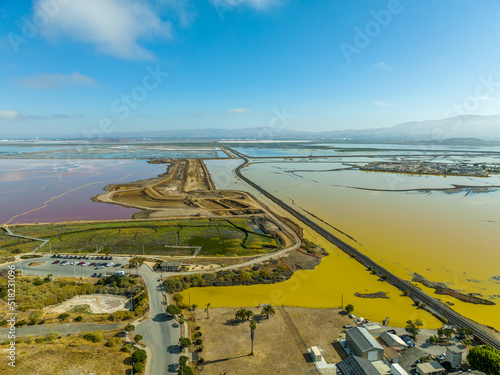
(114, 27)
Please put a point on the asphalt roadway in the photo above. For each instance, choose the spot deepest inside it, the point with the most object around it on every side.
(160, 331)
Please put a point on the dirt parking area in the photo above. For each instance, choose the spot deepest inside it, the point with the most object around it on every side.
(280, 342)
(98, 303)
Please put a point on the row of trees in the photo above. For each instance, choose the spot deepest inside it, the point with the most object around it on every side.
(244, 314)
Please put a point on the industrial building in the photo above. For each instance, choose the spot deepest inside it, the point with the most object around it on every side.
(363, 344)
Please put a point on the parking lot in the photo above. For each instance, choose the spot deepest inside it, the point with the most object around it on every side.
(72, 266)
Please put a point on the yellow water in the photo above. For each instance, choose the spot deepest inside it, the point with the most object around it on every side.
(445, 238)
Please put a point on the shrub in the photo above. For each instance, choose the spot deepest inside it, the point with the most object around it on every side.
(63, 316)
(139, 356)
(127, 348)
(201, 360)
(93, 336)
(178, 298)
(79, 318)
(138, 338)
(138, 367)
(198, 341)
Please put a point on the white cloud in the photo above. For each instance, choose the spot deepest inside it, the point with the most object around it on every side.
(16, 115)
(55, 81)
(115, 27)
(382, 66)
(239, 111)
(488, 99)
(382, 104)
(10, 115)
(256, 4)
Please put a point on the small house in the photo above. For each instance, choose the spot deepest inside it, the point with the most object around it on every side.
(170, 266)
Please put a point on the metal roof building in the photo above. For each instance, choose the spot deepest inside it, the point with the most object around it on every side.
(364, 345)
(356, 366)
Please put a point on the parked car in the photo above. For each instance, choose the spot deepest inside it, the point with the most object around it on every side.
(92, 264)
(56, 261)
(408, 342)
(64, 262)
(118, 264)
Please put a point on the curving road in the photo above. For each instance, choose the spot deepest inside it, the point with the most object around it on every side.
(161, 333)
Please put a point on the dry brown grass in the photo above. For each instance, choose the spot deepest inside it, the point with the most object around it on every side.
(277, 349)
(69, 355)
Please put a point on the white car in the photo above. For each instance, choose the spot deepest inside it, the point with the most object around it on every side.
(110, 264)
(99, 267)
(63, 263)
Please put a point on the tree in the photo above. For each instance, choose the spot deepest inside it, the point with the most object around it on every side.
(129, 328)
(184, 342)
(253, 327)
(248, 314)
(349, 308)
(139, 356)
(173, 310)
(440, 332)
(485, 358)
(138, 338)
(406, 293)
(240, 314)
(433, 340)
(207, 309)
(413, 327)
(183, 360)
(185, 370)
(136, 263)
(268, 310)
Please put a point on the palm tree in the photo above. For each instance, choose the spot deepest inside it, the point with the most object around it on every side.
(207, 309)
(248, 314)
(253, 326)
(240, 314)
(268, 310)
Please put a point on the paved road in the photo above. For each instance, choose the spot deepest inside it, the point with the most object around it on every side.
(161, 333)
(63, 329)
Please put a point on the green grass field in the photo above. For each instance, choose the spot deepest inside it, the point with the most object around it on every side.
(218, 237)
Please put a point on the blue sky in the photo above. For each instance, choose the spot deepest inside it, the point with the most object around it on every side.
(83, 67)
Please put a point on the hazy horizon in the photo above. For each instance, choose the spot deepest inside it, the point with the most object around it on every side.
(71, 67)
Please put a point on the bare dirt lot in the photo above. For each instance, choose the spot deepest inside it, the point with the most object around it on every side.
(280, 342)
(98, 303)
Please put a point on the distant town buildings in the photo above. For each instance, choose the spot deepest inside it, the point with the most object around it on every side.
(446, 169)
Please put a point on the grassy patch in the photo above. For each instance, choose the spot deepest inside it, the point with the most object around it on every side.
(56, 354)
(218, 237)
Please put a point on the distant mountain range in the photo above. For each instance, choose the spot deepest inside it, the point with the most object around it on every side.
(461, 129)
